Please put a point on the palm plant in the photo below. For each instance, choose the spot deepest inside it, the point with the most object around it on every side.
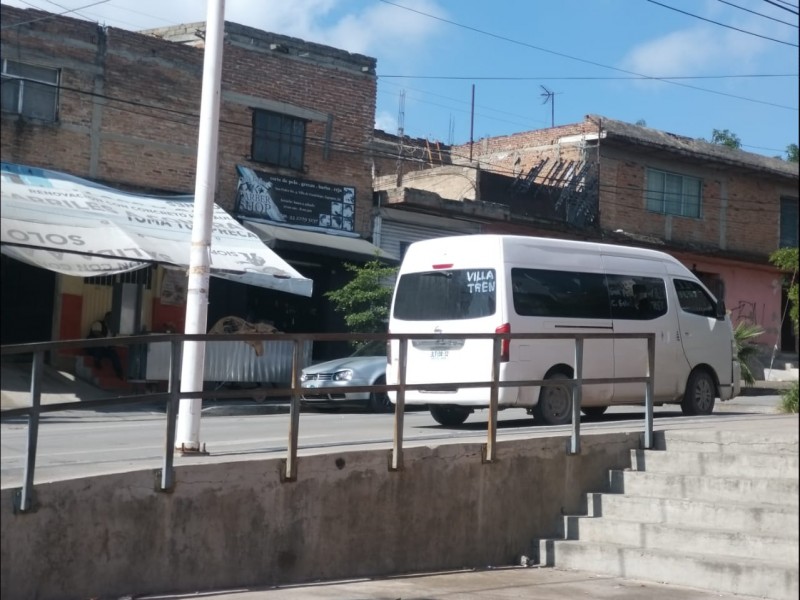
(743, 334)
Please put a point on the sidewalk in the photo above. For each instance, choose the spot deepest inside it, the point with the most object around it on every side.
(506, 583)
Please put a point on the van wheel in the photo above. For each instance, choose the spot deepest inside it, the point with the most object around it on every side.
(700, 394)
(448, 415)
(379, 401)
(594, 411)
(555, 403)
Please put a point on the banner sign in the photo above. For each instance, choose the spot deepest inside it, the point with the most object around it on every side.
(291, 201)
(77, 227)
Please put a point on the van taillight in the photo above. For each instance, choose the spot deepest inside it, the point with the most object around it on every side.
(504, 344)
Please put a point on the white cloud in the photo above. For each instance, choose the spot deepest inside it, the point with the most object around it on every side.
(386, 122)
(696, 51)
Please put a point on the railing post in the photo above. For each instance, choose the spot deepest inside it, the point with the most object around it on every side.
(400, 407)
(167, 471)
(25, 499)
(290, 474)
(577, 390)
(489, 451)
(648, 391)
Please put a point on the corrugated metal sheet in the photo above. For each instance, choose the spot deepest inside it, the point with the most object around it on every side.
(235, 361)
(395, 236)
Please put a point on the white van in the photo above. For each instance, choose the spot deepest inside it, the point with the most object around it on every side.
(516, 284)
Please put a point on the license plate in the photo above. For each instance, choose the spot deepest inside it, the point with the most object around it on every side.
(439, 354)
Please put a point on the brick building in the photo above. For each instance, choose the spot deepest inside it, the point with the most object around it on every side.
(122, 108)
(721, 211)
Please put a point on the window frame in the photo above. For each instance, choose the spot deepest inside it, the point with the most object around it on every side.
(788, 223)
(276, 140)
(27, 86)
(657, 201)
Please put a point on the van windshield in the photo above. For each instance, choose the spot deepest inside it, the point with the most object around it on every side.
(446, 295)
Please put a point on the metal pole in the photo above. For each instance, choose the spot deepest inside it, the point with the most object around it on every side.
(400, 408)
(26, 493)
(493, 396)
(188, 438)
(577, 390)
(294, 416)
(648, 391)
(471, 122)
(167, 473)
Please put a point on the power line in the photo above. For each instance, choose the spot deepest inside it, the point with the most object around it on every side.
(794, 12)
(53, 15)
(586, 77)
(757, 13)
(764, 37)
(583, 60)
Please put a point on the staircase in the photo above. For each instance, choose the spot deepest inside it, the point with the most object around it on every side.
(711, 510)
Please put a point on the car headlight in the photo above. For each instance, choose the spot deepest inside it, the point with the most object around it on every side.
(345, 375)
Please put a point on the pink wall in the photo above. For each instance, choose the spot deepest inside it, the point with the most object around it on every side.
(752, 293)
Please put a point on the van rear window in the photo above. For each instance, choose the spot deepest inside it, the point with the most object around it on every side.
(446, 295)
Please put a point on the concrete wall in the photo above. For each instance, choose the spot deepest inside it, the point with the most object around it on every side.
(346, 515)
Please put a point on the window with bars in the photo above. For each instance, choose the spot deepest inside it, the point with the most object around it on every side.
(278, 139)
(30, 91)
(673, 194)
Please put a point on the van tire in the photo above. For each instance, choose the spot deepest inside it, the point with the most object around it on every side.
(555, 403)
(700, 394)
(448, 416)
(594, 411)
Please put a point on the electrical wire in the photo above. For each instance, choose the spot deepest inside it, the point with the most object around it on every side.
(583, 60)
(757, 13)
(780, 5)
(683, 12)
(53, 15)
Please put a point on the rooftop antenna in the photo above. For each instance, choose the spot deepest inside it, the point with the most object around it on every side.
(451, 132)
(550, 97)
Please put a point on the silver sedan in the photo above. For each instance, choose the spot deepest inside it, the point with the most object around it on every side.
(366, 366)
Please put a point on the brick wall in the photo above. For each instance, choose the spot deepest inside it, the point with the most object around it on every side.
(139, 130)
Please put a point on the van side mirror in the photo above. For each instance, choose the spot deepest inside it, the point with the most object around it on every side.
(721, 312)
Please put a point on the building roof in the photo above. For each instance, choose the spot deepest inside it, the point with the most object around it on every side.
(694, 148)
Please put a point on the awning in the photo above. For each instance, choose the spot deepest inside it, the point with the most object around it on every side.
(334, 245)
(76, 227)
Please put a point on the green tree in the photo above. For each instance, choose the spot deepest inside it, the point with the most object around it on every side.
(725, 137)
(365, 299)
(791, 153)
(786, 260)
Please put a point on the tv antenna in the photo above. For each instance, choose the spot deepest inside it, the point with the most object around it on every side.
(550, 97)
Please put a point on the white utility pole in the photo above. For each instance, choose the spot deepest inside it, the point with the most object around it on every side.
(188, 430)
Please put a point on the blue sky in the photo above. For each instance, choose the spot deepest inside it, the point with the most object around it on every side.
(590, 54)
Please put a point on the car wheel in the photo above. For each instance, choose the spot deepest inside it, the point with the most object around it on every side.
(379, 401)
(700, 394)
(555, 403)
(448, 416)
(594, 411)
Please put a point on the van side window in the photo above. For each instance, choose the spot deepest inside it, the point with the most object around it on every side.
(694, 299)
(569, 294)
(637, 298)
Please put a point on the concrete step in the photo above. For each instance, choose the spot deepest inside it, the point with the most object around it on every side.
(728, 441)
(718, 464)
(762, 519)
(783, 491)
(755, 577)
(663, 537)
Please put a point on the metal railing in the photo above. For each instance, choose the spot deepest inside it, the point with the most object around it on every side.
(173, 395)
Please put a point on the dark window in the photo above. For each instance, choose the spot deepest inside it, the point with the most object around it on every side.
(713, 282)
(637, 298)
(541, 293)
(446, 295)
(788, 223)
(673, 194)
(278, 139)
(30, 91)
(694, 299)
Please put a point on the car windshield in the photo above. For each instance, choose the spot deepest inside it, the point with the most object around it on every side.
(371, 348)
